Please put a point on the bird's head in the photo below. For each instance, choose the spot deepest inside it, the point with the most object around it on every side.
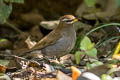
(68, 19)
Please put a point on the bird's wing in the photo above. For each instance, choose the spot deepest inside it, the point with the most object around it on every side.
(51, 38)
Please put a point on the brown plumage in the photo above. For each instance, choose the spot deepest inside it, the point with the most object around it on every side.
(60, 41)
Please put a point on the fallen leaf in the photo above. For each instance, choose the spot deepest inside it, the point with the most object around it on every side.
(30, 43)
(75, 73)
(62, 76)
(2, 69)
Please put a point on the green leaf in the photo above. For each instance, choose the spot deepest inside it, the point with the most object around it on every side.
(94, 64)
(88, 65)
(5, 11)
(106, 77)
(5, 77)
(90, 3)
(77, 56)
(92, 52)
(4, 62)
(91, 46)
(15, 1)
(85, 43)
(1, 74)
(2, 40)
(118, 3)
(1, 1)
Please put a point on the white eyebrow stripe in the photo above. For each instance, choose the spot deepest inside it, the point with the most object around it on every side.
(66, 19)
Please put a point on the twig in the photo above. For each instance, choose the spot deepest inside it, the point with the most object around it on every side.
(13, 27)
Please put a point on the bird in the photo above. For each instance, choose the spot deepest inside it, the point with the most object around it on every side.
(59, 41)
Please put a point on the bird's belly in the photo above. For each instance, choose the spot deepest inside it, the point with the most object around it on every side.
(60, 48)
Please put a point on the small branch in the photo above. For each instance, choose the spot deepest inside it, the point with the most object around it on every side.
(13, 27)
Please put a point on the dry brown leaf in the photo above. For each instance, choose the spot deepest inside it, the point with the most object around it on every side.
(30, 43)
(62, 76)
(75, 73)
(2, 69)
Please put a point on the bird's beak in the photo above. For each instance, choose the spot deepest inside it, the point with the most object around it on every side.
(75, 20)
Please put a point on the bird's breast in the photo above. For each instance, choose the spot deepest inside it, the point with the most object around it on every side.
(69, 39)
(63, 45)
